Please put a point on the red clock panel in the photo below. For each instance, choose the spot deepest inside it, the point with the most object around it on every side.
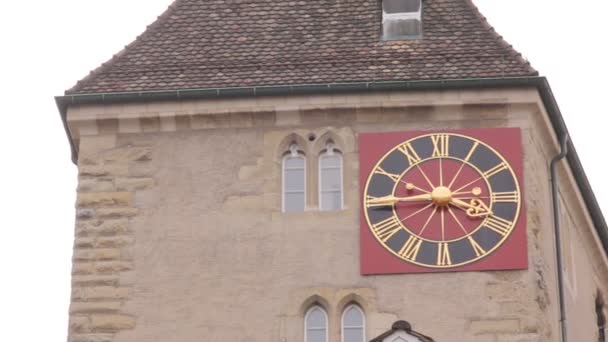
(442, 201)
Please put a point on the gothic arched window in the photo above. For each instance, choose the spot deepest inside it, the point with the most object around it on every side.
(294, 180)
(353, 324)
(330, 178)
(315, 325)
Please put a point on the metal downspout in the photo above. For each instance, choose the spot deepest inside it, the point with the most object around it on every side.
(558, 239)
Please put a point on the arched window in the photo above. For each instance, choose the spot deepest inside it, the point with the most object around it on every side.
(353, 324)
(330, 178)
(315, 325)
(294, 180)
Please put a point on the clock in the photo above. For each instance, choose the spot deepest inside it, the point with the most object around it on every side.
(442, 201)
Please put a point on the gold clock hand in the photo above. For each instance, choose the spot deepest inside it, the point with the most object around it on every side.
(390, 200)
(475, 208)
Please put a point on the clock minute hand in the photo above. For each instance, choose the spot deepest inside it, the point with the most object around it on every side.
(390, 200)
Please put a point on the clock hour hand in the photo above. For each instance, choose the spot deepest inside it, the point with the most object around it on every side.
(390, 200)
(475, 208)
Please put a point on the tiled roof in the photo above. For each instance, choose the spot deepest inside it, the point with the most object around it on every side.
(241, 43)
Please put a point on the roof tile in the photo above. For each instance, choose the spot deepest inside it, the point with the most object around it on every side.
(236, 43)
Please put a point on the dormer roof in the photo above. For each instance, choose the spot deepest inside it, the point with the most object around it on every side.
(236, 43)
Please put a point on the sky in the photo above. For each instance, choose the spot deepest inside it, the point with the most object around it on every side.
(48, 45)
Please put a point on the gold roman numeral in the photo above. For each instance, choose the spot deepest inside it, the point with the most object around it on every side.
(473, 148)
(381, 171)
(372, 202)
(410, 250)
(479, 251)
(410, 153)
(499, 225)
(496, 169)
(384, 230)
(443, 254)
(505, 197)
(441, 145)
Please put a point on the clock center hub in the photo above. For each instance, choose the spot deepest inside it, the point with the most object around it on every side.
(441, 196)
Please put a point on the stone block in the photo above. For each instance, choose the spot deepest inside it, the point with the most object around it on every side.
(128, 154)
(95, 184)
(95, 280)
(238, 120)
(117, 212)
(105, 199)
(112, 322)
(99, 292)
(134, 183)
(103, 170)
(97, 254)
(102, 228)
(519, 338)
(114, 241)
(495, 326)
(94, 307)
(113, 266)
(91, 338)
(84, 213)
(80, 324)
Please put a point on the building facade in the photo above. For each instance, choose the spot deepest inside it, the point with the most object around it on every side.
(220, 196)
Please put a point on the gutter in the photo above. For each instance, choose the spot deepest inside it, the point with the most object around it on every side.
(541, 83)
(558, 239)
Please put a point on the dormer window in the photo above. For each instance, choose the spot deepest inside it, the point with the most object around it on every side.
(401, 19)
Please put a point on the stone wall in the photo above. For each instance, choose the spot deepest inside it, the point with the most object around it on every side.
(180, 234)
(103, 274)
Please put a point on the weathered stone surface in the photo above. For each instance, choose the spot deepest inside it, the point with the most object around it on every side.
(84, 242)
(495, 326)
(116, 212)
(82, 280)
(102, 227)
(94, 307)
(84, 213)
(96, 184)
(83, 268)
(112, 322)
(113, 266)
(128, 154)
(97, 254)
(91, 338)
(99, 292)
(96, 199)
(80, 324)
(103, 170)
(114, 241)
(137, 183)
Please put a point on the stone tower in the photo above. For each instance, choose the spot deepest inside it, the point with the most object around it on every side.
(204, 148)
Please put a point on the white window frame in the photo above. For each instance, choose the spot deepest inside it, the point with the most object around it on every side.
(401, 16)
(293, 153)
(312, 308)
(358, 308)
(330, 151)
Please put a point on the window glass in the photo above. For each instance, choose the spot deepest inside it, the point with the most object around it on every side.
(401, 6)
(353, 325)
(353, 317)
(316, 325)
(330, 179)
(294, 181)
